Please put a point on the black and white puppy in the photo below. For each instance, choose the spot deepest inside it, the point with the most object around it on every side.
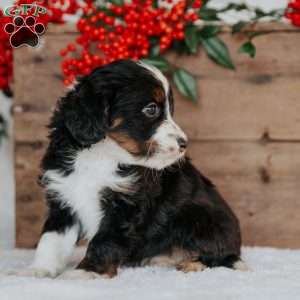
(115, 173)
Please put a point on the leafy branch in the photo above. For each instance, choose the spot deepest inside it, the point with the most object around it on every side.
(204, 33)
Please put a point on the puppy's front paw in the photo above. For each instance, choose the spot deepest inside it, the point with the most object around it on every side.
(33, 272)
(79, 274)
(241, 266)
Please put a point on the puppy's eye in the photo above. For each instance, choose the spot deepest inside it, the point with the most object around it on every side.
(151, 110)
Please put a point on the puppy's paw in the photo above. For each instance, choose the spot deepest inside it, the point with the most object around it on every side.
(33, 272)
(191, 266)
(79, 274)
(240, 266)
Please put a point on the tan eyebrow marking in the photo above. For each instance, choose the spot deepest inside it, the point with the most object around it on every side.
(159, 95)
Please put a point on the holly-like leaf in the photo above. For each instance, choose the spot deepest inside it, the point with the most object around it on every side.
(209, 31)
(208, 14)
(218, 52)
(158, 62)
(117, 2)
(260, 13)
(186, 84)
(181, 47)
(191, 38)
(237, 27)
(154, 50)
(248, 48)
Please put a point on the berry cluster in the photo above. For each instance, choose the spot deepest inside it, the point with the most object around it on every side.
(128, 30)
(293, 12)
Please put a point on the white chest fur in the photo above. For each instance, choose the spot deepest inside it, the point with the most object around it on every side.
(94, 170)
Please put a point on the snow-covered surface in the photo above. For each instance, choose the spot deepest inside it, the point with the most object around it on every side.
(233, 16)
(263, 4)
(275, 275)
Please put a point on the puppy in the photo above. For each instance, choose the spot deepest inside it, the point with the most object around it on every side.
(115, 173)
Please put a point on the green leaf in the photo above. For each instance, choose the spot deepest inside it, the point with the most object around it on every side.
(218, 52)
(237, 27)
(154, 50)
(117, 2)
(181, 47)
(209, 31)
(191, 38)
(208, 14)
(158, 62)
(248, 48)
(186, 84)
(205, 2)
(155, 4)
(260, 13)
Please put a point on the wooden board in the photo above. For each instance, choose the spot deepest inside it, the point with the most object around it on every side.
(244, 132)
(31, 207)
(272, 52)
(245, 111)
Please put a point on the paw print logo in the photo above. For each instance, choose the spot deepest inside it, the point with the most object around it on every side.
(24, 31)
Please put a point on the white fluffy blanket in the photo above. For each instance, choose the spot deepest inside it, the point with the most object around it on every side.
(275, 274)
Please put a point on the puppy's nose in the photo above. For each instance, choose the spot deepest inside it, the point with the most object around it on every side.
(182, 143)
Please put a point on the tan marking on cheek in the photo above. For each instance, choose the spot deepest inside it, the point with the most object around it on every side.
(126, 142)
(159, 95)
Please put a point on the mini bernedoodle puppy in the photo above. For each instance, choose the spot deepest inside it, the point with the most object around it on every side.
(115, 173)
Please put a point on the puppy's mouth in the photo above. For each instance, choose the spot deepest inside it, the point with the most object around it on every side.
(162, 157)
(171, 153)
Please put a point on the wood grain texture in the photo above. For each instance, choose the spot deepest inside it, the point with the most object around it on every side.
(240, 110)
(38, 83)
(271, 58)
(31, 207)
(244, 132)
(231, 109)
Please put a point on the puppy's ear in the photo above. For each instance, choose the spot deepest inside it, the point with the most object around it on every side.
(86, 113)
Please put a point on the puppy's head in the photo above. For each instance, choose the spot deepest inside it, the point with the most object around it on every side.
(131, 104)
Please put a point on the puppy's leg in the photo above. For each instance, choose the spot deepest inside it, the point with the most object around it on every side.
(56, 245)
(106, 251)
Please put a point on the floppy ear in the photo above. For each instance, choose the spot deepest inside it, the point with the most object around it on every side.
(86, 113)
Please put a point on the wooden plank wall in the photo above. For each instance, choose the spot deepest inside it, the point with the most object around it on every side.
(244, 132)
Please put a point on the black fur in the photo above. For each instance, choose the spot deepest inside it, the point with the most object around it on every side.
(174, 207)
(177, 207)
